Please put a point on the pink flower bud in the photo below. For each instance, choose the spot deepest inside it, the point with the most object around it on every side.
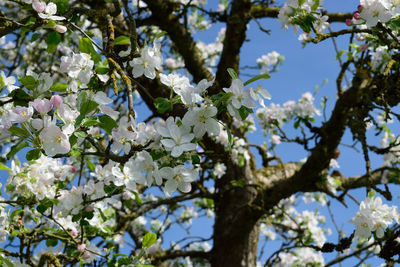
(56, 101)
(61, 28)
(38, 6)
(74, 233)
(349, 22)
(73, 169)
(81, 247)
(90, 208)
(360, 7)
(42, 105)
(356, 15)
(86, 255)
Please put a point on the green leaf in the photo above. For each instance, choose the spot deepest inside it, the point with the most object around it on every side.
(244, 112)
(15, 233)
(124, 261)
(158, 36)
(107, 123)
(4, 167)
(90, 166)
(62, 6)
(76, 217)
(162, 105)
(238, 183)
(137, 198)
(195, 159)
(109, 189)
(7, 261)
(338, 182)
(296, 124)
(31, 21)
(51, 48)
(149, 239)
(102, 70)
(88, 214)
(315, 5)
(83, 222)
(74, 153)
(2, 84)
(19, 94)
(85, 45)
(73, 140)
(90, 122)
(35, 36)
(52, 242)
(29, 82)
(241, 161)
(54, 38)
(23, 31)
(122, 40)
(80, 134)
(258, 77)
(15, 148)
(15, 213)
(59, 87)
(340, 53)
(41, 208)
(371, 194)
(33, 154)
(301, 2)
(51, 24)
(232, 73)
(17, 131)
(88, 107)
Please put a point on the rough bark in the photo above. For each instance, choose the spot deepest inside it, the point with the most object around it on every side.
(235, 237)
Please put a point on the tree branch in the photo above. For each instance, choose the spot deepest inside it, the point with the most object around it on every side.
(183, 40)
(259, 11)
(235, 36)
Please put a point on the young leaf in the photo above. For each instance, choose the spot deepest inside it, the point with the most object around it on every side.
(122, 40)
(59, 87)
(107, 123)
(54, 38)
(15, 148)
(162, 105)
(85, 46)
(15, 130)
(4, 167)
(29, 82)
(149, 239)
(33, 154)
(258, 77)
(232, 73)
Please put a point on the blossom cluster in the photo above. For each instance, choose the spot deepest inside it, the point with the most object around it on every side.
(300, 257)
(47, 12)
(270, 61)
(303, 14)
(276, 115)
(374, 216)
(370, 12)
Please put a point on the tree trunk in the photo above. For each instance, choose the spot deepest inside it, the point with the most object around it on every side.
(235, 230)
